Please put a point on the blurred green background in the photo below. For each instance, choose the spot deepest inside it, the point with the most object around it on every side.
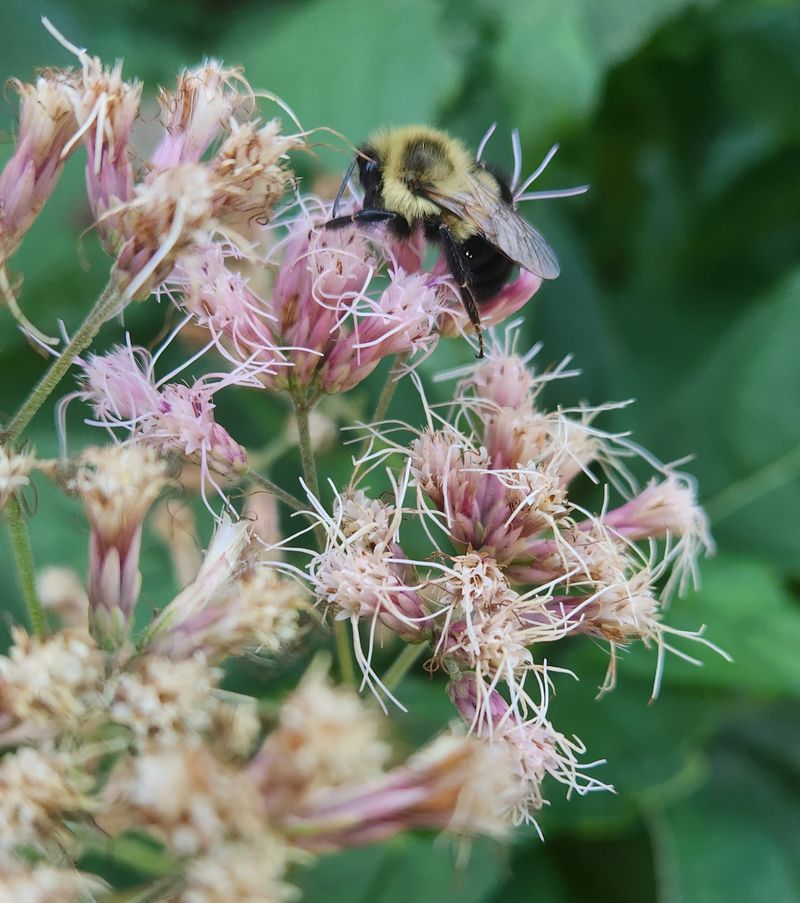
(680, 287)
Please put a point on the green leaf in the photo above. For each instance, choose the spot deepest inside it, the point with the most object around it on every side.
(751, 615)
(734, 411)
(340, 63)
(408, 867)
(551, 58)
(738, 839)
(654, 753)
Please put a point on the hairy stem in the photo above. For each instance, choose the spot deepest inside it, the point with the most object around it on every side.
(281, 494)
(100, 312)
(302, 408)
(26, 570)
(402, 664)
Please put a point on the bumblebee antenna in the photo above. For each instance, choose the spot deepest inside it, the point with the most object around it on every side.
(342, 187)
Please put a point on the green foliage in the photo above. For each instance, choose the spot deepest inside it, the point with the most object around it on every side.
(680, 286)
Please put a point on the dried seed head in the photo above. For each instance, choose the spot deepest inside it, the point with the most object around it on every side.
(167, 214)
(14, 470)
(456, 784)
(117, 485)
(250, 173)
(326, 736)
(41, 883)
(53, 683)
(61, 591)
(106, 107)
(235, 603)
(165, 703)
(198, 111)
(251, 872)
(36, 790)
(186, 797)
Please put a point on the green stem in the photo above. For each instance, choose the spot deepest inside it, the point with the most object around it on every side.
(286, 497)
(403, 664)
(385, 398)
(344, 657)
(302, 408)
(131, 851)
(21, 545)
(103, 308)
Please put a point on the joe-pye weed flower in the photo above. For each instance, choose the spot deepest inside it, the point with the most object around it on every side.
(458, 538)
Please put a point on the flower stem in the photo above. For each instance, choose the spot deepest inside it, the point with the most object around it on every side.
(385, 398)
(302, 409)
(403, 664)
(21, 545)
(99, 313)
(344, 657)
(281, 494)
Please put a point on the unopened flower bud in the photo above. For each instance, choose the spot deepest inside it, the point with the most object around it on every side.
(117, 485)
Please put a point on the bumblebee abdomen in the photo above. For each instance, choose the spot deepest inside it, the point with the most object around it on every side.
(487, 267)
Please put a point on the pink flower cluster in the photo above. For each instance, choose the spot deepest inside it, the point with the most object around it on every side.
(515, 563)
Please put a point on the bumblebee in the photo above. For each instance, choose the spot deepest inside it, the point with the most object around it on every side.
(418, 176)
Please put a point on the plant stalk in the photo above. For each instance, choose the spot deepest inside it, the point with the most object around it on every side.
(100, 312)
(23, 556)
(281, 494)
(402, 665)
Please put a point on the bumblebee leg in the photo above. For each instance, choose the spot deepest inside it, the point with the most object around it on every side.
(343, 186)
(458, 264)
(366, 217)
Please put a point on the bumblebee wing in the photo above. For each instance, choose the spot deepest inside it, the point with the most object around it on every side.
(500, 224)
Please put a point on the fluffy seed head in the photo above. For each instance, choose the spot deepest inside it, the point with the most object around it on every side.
(53, 683)
(186, 797)
(36, 789)
(326, 736)
(250, 872)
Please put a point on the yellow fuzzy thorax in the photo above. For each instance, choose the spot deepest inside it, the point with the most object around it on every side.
(441, 161)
